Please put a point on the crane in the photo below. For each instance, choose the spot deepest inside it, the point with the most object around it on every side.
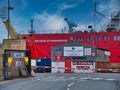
(71, 25)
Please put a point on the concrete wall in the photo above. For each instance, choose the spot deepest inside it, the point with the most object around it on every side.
(12, 44)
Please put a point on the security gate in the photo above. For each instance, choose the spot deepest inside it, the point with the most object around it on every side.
(16, 63)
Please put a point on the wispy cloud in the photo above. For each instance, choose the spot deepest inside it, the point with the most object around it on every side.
(65, 6)
(20, 24)
(110, 6)
(46, 21)
(106, 8)
(114, 5)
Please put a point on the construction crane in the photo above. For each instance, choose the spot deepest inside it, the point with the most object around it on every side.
(71, 25)
(12, 32)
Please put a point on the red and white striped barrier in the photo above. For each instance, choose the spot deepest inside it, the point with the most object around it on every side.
(62, 69)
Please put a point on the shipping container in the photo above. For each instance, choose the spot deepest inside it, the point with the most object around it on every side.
(43, 65)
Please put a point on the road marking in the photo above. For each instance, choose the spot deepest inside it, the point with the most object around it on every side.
(68, 89)
(38, 79)
(85, 78)
(110, 79)
(71, 84)
(96, 78)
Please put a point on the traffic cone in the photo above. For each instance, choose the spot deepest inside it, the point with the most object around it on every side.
(32, 73)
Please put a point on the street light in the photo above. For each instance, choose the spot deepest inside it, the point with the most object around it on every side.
(9, 8)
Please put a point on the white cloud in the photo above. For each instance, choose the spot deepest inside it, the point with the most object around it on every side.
(114, 5)
(65, 6)
(106, 8)
(49, 22)
(20, 24)
(110, 6)
(83, 27)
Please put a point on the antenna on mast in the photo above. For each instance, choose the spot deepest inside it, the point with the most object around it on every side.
(31, 25)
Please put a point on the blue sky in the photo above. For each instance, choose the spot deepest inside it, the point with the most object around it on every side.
(48, 15)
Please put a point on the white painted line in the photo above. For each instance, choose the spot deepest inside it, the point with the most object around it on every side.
(110, 79)
(38, 79)
(96, 78)
(68, 89)
(71, 84)
(84, 78)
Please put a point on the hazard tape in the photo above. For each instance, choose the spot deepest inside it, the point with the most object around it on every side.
(45, 67)
(97, 70)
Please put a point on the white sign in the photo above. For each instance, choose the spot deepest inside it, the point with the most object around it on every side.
(18, 63)
(107, 53)
(18, 55)
(73, 51)
(37, 41)
(87, 51)
(56, 65)
(83, 66)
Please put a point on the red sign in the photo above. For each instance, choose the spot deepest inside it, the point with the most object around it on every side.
(83, 67)
(82, 63)
(87, 51)
(58, 57)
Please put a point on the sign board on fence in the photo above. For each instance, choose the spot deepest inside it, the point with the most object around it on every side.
(73, 51)
(18, 55)
(87, 51)
(83, 66)
(18, 63)
(58, 57)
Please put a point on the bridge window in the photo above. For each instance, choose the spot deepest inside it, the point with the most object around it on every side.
(80, 38)
(89, 38)
(116, 38)
(106, 38)
(97, 38)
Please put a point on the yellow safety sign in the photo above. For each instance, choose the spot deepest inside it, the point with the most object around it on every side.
(10, 59)
(26, 60)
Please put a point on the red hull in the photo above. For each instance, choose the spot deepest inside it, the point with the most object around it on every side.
(41, 44)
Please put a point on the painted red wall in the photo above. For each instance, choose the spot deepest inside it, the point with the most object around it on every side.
(41, 44)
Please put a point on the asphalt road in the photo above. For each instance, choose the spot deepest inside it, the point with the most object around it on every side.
(72, 81)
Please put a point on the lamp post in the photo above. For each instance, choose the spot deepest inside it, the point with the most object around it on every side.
(9, 8)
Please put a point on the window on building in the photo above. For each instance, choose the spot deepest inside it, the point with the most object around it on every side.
(97, 38)
(116, 38)
(89, 38)
(72, 38)
(80, 38)
(106, 38)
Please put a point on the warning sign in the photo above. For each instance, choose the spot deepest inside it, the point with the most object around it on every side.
(18, 63)
(87, 51)
(58, 57)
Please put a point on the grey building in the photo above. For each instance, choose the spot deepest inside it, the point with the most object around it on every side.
(74, 53)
